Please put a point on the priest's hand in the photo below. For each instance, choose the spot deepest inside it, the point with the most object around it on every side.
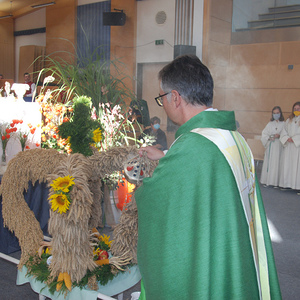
(152, 152)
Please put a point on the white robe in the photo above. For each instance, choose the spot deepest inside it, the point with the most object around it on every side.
(271, 165)
(290, 160)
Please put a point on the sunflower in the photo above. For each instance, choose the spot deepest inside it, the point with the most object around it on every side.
(59, 202)
(63, 183)
(97, 137)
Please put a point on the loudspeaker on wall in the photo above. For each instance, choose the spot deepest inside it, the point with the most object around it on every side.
(184, 49)
(114, 18)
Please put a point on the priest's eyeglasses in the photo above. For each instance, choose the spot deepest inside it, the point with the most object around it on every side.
(159, 99)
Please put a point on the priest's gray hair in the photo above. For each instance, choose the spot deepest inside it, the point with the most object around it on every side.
(190, 78)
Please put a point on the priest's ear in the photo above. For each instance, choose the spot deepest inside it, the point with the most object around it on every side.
(176, 98)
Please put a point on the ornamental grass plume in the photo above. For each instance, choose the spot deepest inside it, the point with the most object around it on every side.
(89, 74)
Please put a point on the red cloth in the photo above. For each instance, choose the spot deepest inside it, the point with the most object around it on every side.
(29, 91)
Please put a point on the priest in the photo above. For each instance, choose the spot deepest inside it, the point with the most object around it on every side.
(202, 228)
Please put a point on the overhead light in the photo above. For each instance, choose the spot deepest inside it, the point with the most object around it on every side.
(7, 16)
(43, 5)
(10, 15)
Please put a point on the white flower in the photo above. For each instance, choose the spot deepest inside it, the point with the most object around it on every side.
(47, 95)
(48, 79)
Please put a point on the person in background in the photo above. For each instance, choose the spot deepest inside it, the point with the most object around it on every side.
(290, 162)
(138, 110)
(1, 76)
(270, 140)
(202, 228)
(157, 133)
(29, 93)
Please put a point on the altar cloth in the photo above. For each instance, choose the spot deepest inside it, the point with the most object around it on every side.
(119, 284)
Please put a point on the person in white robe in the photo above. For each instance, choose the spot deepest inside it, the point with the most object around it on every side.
(290, 161)
(270, 140)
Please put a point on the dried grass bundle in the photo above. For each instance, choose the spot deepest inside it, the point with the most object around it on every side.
(71, 249)
(92, 283)
(114, 159)
(126, 233)
(96, 217)
(105, 163)
(30, 165)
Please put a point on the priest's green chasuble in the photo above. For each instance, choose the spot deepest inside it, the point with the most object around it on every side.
(202, 227)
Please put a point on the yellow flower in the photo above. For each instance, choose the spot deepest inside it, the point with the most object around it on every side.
(104, 238)
(59, 202)
(48, 250)
(97, 137)
(95, 252)
(63, 183)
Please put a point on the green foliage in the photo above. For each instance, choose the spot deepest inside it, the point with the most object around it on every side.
(104, 84)
(103, 275)
(91, 76)
(80, 128)
(102, 245)
(51, 143)
(38, 268)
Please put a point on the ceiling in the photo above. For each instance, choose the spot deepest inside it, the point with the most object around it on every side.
(19, 7)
